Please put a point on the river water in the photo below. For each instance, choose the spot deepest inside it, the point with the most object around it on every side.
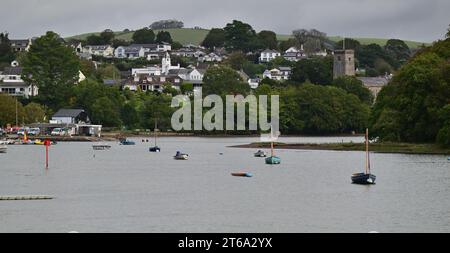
(128, 189)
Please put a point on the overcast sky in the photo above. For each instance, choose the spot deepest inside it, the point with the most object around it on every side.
(422, 20)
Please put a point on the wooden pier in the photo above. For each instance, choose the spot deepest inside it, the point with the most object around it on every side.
(25, 197)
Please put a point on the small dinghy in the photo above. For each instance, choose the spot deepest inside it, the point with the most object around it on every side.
(180, 156)
(260, 153)
(126, 142)
(273, 160)
(154, 149)
(365, 177)
(448, 158)
(242, 174)
(101, 146)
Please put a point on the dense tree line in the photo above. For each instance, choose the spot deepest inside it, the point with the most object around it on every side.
(415, 106)
(166, 24)
(378, 60)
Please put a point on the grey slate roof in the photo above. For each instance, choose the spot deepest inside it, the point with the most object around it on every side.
(285, 68)
(68, 113)
(12, 71)
(374, 81)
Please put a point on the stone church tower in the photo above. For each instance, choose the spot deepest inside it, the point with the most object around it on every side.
(344, 63)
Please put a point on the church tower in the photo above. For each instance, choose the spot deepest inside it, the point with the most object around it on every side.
(166, 64)
(344, 63)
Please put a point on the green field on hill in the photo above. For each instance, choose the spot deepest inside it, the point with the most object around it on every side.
(196, 36)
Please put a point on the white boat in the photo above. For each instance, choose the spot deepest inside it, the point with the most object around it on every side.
(180, 156)
(101, 146)
(260, 153)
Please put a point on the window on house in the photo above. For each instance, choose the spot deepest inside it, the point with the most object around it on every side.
(338, 58)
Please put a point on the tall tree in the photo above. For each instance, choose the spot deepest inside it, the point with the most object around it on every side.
(223, 80)
(286, 44)
(144, 36)
(411, 107)
(398, 49)
(214, 38)
(34, 113)
(53, 67)
(107, 36)
(6, 52)
(354, 86)
(8, 110)
(268, 39)
(240, 36)
(349, 43)
(164, 36)
(94, 40)
(312, 39)
(316, 70)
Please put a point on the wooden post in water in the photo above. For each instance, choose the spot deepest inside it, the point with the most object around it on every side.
(47, 144)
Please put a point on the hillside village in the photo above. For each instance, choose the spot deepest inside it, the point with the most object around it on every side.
(153, 77)
(127, 76)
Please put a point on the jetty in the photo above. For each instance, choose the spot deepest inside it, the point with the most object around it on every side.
(25, 197)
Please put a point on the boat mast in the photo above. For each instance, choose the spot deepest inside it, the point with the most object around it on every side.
(271, 148)
(367, 152)
(154, 131)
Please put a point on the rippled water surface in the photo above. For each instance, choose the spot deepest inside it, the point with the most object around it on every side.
(128, 189)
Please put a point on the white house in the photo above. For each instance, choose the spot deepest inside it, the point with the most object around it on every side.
(278, 74)
(99, 50)
(196, 75)
(130, 52)
(151, 71)
(20, 45)
(11, 82)
(211, 57)
(268, 55)
(164, 47)
(294, 54)
(70, 116)
(253, 82)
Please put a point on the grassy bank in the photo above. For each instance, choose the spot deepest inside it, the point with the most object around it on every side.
(405, 148)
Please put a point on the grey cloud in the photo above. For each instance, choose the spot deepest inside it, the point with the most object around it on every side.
(405, 19)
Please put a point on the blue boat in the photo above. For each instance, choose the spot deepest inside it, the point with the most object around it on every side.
(364, 177)
(126, 142)
(272, 159)
(448, 158)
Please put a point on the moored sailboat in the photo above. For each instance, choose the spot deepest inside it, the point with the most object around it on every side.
(155, 148)
(272, 159)
(365, 177)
